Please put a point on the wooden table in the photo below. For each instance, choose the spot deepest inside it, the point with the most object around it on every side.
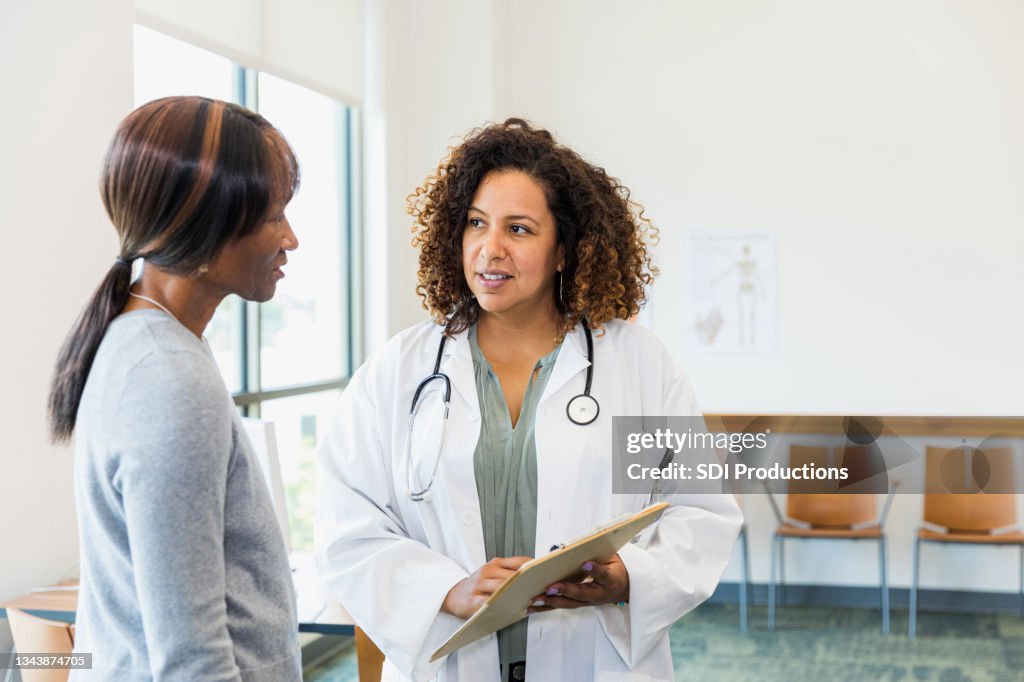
(317, 613)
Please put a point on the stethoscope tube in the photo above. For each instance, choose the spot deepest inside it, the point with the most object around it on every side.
(437, 375)
(582, 410)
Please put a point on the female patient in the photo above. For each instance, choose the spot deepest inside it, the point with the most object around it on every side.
(184, 571)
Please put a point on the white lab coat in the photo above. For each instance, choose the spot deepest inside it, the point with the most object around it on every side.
(391, 561)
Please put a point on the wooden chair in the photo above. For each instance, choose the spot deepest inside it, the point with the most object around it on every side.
(828, 516)
(369, 658)
(745, 579)
(744, 586)
(976, 518)
(41, 636)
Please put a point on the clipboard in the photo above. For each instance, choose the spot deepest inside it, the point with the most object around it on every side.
(509, 602)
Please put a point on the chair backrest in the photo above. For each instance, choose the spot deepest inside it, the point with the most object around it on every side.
(825, 510)
(956, 469)
(264, 442)
(33, 635)
(866, 469)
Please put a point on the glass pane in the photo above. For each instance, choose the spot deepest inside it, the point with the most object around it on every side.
(224, 334)
(302, 335)
(300, 423)
(165, 66)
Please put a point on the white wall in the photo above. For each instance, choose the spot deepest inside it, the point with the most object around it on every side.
(320, 39)
(881, 141)
(427, 82)
(67, 82)
(316, 43)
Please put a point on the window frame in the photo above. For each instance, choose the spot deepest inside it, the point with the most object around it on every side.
(245, 359)
(252, 395)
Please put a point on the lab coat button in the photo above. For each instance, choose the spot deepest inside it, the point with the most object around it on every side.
(468, 517)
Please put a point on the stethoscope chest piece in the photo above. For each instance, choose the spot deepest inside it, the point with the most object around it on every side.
(583, 409)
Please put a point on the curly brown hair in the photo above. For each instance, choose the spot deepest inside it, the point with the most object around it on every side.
(604, 232)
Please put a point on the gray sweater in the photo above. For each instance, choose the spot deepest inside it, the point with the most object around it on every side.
(184, 571)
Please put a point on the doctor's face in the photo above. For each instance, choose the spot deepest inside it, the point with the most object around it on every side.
(510, 250)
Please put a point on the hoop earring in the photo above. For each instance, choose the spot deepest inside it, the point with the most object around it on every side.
(561, 278)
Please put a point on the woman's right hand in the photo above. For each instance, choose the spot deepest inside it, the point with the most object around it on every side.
(469, 594)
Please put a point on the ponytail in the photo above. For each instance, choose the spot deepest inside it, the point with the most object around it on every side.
(76, 355)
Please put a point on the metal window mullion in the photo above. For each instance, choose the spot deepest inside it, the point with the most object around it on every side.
(345, 241)
(242, 350)
(257, 397)
(248, 93)
(239, 95)
(355, 240)
(248, 96)
(254, 381)
(238, 84)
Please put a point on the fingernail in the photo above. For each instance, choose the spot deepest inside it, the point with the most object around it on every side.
(588, 567)
(539, 602)
(552, 592)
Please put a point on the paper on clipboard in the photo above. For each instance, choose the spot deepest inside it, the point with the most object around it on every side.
(510, 601)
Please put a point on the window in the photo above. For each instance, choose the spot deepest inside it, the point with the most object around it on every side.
(285, 360)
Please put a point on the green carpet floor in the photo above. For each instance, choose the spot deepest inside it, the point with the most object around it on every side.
(824, 644)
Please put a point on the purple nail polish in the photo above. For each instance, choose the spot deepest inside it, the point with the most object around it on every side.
(588, 567)
(552, 592)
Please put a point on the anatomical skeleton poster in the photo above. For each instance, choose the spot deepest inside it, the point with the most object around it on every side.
(730, 302)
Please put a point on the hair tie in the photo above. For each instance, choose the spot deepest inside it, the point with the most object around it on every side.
(120, 260)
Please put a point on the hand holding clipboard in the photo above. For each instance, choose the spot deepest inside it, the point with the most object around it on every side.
(513, 599)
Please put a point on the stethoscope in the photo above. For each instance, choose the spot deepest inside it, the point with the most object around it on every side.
(581, 410)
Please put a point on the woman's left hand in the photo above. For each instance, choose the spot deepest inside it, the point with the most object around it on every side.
(603, 583)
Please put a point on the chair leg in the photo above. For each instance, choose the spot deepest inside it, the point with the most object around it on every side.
(782, 570)
(369, 659)
(884, 577)
(771, 583)
(912, 627)
(745, 582)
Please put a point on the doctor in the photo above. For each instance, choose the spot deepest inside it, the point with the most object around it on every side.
(472, 443)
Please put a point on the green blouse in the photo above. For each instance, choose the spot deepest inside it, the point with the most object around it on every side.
(505, 466)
